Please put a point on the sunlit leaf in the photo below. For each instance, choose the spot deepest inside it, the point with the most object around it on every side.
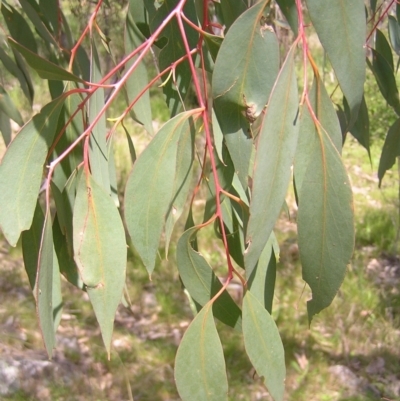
(200, 373)
(100, 251)
(150, 187)
(202, 283)
(390, 150)
(275, 154)
(325, 222)
(242, 81)
(46, 69)
(264, 345)
(341, 28)
(22, 168)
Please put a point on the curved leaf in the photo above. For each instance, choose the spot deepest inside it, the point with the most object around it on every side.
(326, 115)
(394, 34)
(46, 69)
(201, 282)
(100, 251)
(325, 222)
(385, 79)
(264, 345)
(22, 168)
(242, 81)
(390, 150)
(8, 107)
(138, 79)
(289, 10)
(382, 46)
(272, 167)
(341, 28)
(199, 365)
(150, 187)
(230, 10)
(98, 152)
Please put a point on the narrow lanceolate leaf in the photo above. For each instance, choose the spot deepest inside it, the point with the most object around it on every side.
(183, 175)
(5, 128)
(46, 69)
(326, 115)
(7, 106)
(44, 286)
(230, 10)
(394, 34)
(22, 168)
(97, 144)
(200, 373)
(360, 129)
(201, 282)
(242, 81)
(274, 156)
(390, 150)
(289, 10)
(100, 251)
(385, 79)
(341, 28)
(261, 282)
(264, 345)
(138, 79)
(325, 222)
(150, 187)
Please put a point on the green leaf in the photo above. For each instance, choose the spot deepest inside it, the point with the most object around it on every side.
(182, 183)
(200, 373)
(19, 28)
(8, 107)
(275, 153)
(5, 128)
(230, 10)
(150, 187)
(341, 28)
(394, 34)
(390, 150)
(325, 222)
(100, 251)
(213, 44)
(289, 10)
(46, 69)
(41, 28)
(22, 168)
(242, 81)
(173, 50)
(385, 79)
(327, 117)
(382, 46)
(138, 79)
(261, 281)
(264, 345)
(360, 129)
(15, 70)
(44, 286)
(201, 282)
(98, 153)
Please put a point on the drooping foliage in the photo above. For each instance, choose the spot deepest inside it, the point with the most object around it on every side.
(248, 116)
